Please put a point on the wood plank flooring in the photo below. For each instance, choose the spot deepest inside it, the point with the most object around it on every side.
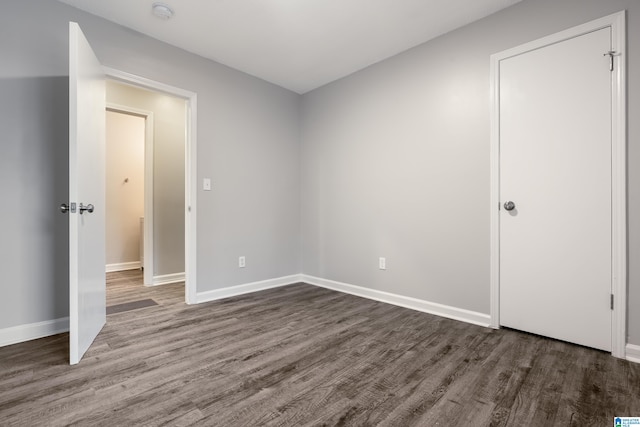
(306, 356)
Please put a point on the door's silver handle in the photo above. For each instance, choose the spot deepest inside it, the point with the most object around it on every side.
(88, 208)
(509, 205)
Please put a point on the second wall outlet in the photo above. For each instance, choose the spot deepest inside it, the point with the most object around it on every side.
(242, 262)
(382, 263)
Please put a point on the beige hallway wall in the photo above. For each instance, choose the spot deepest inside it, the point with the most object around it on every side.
(124, 186)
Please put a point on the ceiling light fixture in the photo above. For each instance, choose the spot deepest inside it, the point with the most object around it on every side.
(162, 10)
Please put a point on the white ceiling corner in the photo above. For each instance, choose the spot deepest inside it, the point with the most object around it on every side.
(296, 44)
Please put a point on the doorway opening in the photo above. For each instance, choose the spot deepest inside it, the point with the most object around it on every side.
(166, 226)
(145, 182)
(129, 138)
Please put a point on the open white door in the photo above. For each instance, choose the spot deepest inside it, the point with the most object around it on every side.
(87, 281)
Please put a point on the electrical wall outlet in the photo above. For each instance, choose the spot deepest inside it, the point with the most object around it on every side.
(382, 263)
(242, 262)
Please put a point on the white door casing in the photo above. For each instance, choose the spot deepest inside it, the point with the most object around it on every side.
(558, 151)
(87, 282)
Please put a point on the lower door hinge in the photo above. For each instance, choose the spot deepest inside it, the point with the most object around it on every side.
(611, 301)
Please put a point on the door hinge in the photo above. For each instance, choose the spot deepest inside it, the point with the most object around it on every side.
(611, 54)
(611, 301)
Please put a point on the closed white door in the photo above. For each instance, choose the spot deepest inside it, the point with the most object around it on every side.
(87, 282)
(555, 168)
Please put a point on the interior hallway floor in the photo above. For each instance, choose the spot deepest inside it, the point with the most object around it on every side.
(302, 355)
(126, 287)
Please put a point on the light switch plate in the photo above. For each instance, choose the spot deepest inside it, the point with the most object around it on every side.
(206, 184)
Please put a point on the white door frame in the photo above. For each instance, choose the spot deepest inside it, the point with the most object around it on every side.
(147, 237)
(190, 220)
(616, 22)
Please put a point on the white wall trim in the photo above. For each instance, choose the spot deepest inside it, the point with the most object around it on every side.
(442, 310)
(437, 309)
(191, 199)
(191, 172)
(633, 353)
(32, 331)
(122, 266)
(247, 288)
(166, 279)
(619, 184)
(616, 22)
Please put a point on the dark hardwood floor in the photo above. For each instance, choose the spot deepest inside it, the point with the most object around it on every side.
(302, 355)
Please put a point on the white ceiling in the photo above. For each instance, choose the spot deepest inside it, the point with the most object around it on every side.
(297, 44)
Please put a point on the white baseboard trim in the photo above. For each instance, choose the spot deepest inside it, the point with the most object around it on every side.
(32, 331)
(166, 279)
(246, 288)
(442, 310)
(122, 266)
(633, 353)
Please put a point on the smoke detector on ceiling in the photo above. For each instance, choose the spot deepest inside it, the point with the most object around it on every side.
(162, 10)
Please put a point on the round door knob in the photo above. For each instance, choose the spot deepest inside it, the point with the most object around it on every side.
(509, 205)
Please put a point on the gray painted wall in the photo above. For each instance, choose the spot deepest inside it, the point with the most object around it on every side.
(248, 143)
(169, 120)
(34, 180)
(395, 161)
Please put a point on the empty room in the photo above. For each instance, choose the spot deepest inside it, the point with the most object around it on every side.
(354, 213)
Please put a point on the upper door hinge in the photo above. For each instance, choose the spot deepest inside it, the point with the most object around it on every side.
(611, 54)
(611, 301)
